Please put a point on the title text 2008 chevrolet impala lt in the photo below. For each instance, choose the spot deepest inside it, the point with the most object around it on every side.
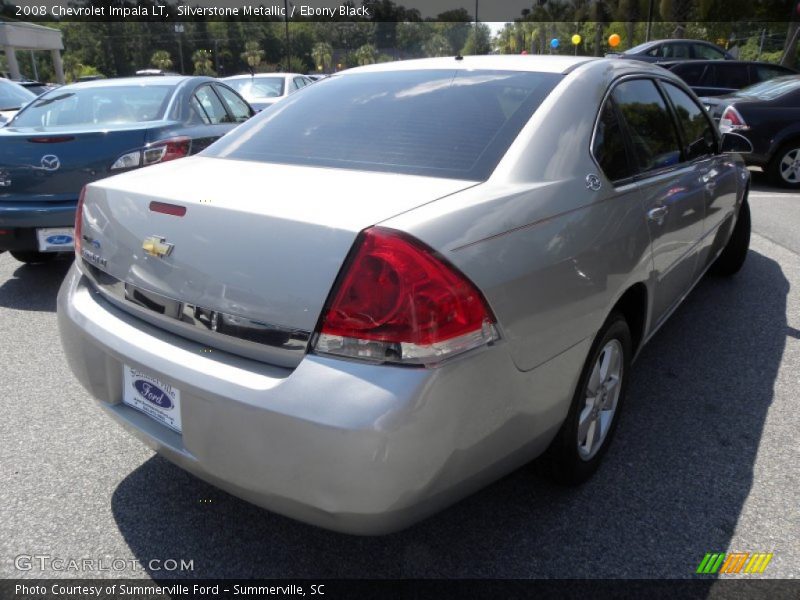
(404, 281)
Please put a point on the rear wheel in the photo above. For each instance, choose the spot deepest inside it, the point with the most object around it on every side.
(784, 168)
(33, 258)
(583, 439)
(734, 254)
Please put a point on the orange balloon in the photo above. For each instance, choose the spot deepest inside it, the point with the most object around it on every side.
(614, 40)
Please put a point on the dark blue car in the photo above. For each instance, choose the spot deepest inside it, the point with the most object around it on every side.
(83, 132)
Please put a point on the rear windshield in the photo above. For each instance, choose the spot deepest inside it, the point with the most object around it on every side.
(71, 106)
(769, 90)
(442, 123)
(12, 96)
(258, 87)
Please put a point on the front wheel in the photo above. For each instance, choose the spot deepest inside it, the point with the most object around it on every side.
(784, 168)
(33, 258)
(583, 439)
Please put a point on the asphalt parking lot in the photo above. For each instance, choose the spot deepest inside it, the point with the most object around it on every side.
(705, 460)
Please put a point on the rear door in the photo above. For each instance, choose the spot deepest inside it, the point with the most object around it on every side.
(670, 189)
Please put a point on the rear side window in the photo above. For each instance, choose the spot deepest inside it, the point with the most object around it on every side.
(609, 145)
(690, 72)
(707, 52)
(211, 105)
(442, 123)
(655, 145)
(729, 76)
(237, 107)
(696, 129)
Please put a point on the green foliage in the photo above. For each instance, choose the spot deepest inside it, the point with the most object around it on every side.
(253, 55)
(161, 60)
(366, 55)
(322, 53)
(479, 40)
(203, 63)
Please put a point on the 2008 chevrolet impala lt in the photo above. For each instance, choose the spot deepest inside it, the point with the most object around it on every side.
(404, 281)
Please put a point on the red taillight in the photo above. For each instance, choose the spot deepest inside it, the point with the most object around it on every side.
(731, 120)
(51, 140)
(165, 150)
(398, 301)
(79, 221)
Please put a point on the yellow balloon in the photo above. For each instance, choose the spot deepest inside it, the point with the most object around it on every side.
(614, 40)
(576, 39)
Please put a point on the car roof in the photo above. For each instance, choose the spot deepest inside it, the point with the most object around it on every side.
(501, 62)
(173, 80)
(255, 75)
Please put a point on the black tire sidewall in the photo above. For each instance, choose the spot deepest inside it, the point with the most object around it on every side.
(567, 465)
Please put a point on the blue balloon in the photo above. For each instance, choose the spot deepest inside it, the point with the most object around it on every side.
(554, 43)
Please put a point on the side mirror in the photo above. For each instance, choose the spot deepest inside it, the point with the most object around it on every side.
(734, 142)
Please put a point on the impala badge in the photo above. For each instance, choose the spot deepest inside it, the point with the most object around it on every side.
(155, 245)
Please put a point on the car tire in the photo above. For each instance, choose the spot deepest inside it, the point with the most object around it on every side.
(571, 458)
(777, 171)
(732, 257)
(33, 258)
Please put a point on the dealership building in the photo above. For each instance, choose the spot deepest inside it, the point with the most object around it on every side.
(26, 37)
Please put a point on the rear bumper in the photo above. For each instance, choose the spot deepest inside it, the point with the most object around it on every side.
(21, 219)
(344, 445)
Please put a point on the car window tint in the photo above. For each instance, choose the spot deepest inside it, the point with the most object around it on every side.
(707, 52)
(609, 145)
(696, 128)
(677, 50)
(238, 107)
(691, 73)
(653, 135)
(441, 123)
(729, 76)
(212, 105)
(197, 112)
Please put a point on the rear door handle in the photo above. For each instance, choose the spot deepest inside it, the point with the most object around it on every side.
(658, 214)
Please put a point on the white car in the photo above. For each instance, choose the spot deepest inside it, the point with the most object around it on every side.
(262, 90)
(12, 97)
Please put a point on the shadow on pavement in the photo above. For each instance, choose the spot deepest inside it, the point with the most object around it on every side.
(671, 489)
(33, 287)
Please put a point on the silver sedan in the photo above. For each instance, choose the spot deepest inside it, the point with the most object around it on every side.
(405, 282)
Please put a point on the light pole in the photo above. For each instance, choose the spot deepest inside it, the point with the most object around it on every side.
(286, 21)
(179, 31)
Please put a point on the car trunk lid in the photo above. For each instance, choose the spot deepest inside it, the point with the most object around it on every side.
(257, 243)
(54, 165)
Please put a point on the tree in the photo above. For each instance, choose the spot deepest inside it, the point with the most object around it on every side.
(322, 53)
(203, 63)
(436, 45)
(253, 54)
(479, 40)
(161, 60)
(366, 54)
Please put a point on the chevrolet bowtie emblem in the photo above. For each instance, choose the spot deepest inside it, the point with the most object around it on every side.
(155, 245)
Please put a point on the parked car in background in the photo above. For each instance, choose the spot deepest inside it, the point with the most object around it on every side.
(12, 97)
(37, 87)
(262, 90)
(718, 77)
(664, 50)
(83, 132)
(767, 114)
(481, 247)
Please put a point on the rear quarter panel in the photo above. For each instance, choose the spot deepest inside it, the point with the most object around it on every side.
(551, 256)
